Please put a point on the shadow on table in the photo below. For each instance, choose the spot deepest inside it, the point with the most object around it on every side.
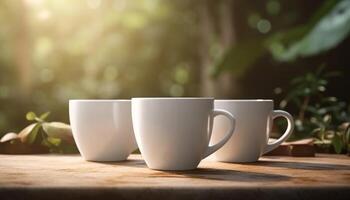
(130, 162)
(223, 174)
(202, 173)
(300, 165)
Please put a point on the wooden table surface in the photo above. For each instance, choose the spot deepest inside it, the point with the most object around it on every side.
(70, 177)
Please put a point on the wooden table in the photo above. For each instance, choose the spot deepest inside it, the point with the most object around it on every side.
(70, 177)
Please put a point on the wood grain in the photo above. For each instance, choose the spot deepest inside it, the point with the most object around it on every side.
(35, 176)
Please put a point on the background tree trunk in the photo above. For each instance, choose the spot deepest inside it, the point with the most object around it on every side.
(226, 82)
(207, 33)
(225, 85)
(22, 51)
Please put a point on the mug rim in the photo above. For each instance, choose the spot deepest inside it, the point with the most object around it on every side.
(244, 100)
(172, 98)
(99, 100)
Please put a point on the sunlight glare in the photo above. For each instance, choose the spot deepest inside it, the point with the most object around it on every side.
(34, 3)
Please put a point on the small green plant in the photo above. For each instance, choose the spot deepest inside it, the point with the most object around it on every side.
(55, 136)
(321, 117)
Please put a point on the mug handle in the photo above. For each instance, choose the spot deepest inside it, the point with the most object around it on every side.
(280, 113)
(229, 133)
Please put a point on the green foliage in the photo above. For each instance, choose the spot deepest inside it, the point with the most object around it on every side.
(30, 116)
(347, 137)
(312, 84)
(327, 33)
(328, 26)
(337, 143)
(56, 136)
(44, 115)
(58, 130)
(240, 57)
(31, 136)
(33, 133)
(319, 116)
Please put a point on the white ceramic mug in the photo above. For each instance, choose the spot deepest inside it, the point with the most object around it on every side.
(102, 129)
(254, 120)
(174, 133)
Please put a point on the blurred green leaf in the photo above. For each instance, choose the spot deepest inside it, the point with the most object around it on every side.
(23, 135)
(240, 57)
(337, 143)
(325, 34)
(31, 116)
(305, 40)
(58, 130)
(29, 134)
(347, 134)
(54, 141)
(33, 133)
(327, 119)
(44, 115)
(278, 42)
